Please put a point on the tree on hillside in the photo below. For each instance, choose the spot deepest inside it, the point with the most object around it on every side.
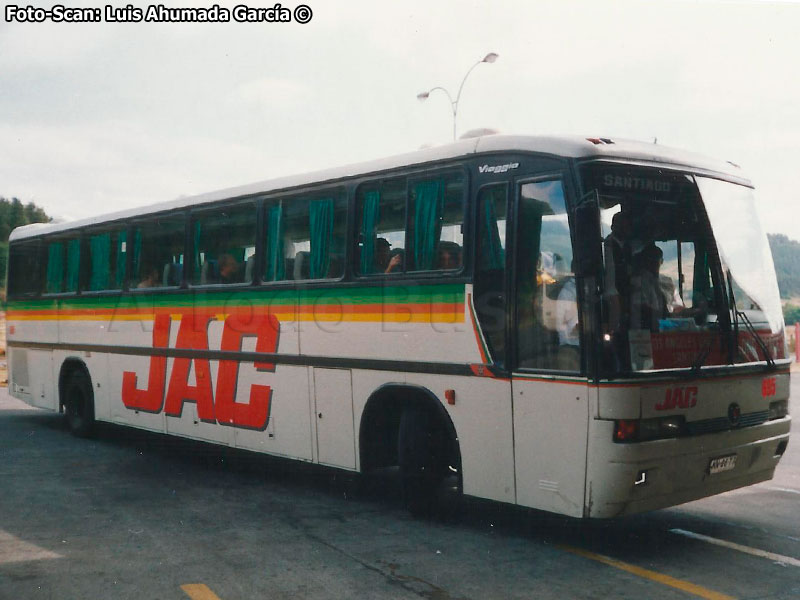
(13, 213)
(786, 254)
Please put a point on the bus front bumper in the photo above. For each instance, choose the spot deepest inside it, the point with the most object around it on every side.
(624, 479)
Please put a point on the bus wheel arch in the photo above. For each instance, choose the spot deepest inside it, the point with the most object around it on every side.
(76, 397)
(408, 426)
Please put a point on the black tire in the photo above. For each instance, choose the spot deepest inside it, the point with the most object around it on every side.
(79, 404)
(422, 444)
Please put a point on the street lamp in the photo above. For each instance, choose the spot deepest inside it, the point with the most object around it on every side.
(422, 96)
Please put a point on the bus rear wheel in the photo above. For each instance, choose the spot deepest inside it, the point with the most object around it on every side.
(79, 404)
(423, 459)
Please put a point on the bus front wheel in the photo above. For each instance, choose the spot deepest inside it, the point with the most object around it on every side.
(79, 404)
(422, 458)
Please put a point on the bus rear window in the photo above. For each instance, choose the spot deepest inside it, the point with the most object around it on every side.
(24, 277)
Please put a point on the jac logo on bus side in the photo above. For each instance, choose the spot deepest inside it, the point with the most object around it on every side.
(679, 397)
(213, 406)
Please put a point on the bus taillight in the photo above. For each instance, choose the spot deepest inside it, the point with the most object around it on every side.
(626, 430)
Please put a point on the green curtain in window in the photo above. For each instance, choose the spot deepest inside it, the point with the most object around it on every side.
(122, 255)
(492, 255)
(55, 267)
(137, 253)
(428, 209)
(100, 251)
(321, 221)
(73, 265)
(198, 266)
(369, 231)
(275, 267)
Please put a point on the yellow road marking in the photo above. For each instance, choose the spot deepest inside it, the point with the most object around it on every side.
(679, 584)
(199, 591)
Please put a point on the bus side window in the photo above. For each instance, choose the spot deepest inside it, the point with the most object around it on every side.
(381, 227)
(158, 250)
(73, 265)
(224, 245)
(305, 237)
(547, 314)
(490, 300)
(63, 266)
(54, 282)
(104, 268)
(436, 223)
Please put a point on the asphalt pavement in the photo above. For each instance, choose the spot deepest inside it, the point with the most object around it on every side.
(131, 514)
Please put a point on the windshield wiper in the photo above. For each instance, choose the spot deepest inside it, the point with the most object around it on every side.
(701, 358)
(757, 338)
(748, 325)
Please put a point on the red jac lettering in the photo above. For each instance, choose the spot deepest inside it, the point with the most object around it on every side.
(678, 398)
(254, 414)
(152, 398)
(212, 407)
(193, 335)
(768, 387)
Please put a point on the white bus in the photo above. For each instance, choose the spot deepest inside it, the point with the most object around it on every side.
(585, 326)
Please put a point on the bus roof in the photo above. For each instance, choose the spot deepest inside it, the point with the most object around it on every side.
(563, 146)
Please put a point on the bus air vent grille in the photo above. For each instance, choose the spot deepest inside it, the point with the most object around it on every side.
(723, 424)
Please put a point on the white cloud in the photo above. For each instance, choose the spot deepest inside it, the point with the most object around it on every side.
(268, 93)
(96, 162)
(48, 45)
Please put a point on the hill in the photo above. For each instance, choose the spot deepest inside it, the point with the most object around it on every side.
(786, 254)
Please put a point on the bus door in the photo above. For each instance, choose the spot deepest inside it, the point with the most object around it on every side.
(333, 402)
(550, 398)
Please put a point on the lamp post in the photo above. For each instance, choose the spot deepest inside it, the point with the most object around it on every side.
(422, 96)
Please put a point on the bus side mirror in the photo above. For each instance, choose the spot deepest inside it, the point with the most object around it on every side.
(588, 236)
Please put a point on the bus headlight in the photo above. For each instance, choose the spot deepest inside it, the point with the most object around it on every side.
(643, 430)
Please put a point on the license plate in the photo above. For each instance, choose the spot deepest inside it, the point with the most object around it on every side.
(722, 464)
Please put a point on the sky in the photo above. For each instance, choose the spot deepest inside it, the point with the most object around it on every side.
(98, 117)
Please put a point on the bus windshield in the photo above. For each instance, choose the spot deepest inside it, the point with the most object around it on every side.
(674, 248)
(744, 250)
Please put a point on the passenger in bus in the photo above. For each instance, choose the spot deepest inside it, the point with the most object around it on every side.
(448, 256)
(150, 279)
(567, 326)
(229, 269)
(654, 295)
(617, 253)
(386, 261)
(648, 303)
(675, 303)
(545, 269)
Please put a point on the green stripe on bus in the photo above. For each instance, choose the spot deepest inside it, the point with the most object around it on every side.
(417, 294)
